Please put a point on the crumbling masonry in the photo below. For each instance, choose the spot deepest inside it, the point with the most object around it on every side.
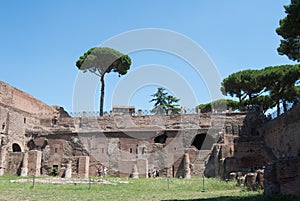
(36, 139)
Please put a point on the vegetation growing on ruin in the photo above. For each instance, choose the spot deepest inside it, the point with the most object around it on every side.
(222, 104)
(270, 87)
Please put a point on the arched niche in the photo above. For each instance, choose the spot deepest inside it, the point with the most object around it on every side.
(16, 147)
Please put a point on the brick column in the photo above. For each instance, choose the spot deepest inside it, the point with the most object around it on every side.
(83, 166)
(186, 166)
(142, 168)
(34, 163)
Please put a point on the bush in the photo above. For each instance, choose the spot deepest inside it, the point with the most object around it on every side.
(54, 171)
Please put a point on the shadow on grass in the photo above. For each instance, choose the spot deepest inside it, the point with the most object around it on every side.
(245, 198)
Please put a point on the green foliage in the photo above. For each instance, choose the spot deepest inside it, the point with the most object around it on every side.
(164, 102)
(276, 83)
(54, 171)
(281, 82)
(102, 60)
(232, 86)
(289, 29)
(221, 104)
(205, 108)
(243, 84)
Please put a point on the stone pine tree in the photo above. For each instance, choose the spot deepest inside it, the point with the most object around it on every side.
(243, 84)
(164, 102)
(289, 29)
(281, 84)
(271, 86)
(102, 60)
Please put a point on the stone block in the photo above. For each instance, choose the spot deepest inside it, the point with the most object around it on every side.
(34, 163)
(142, 168)
(14, 162)
(83, 166)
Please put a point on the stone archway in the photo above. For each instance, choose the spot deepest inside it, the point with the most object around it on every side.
(16, 147)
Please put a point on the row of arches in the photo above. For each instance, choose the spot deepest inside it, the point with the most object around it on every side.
(197, 142)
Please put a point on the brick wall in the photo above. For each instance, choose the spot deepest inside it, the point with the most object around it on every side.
(282, 134)
(18, 99)
(283, 139)
(14, 124)
(14, 163)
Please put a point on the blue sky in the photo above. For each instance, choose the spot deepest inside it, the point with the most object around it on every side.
(41, 41)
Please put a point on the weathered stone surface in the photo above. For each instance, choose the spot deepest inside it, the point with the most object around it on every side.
(14, 162)
(232, 176)
(219, 143)
(3, 158)
(282, 177)
(13, 97)
(24, 169)
(68, 170)
(186, 166)
(34, 163)
(134, 172)
(83, 166)
(250, 181)
(282, 137)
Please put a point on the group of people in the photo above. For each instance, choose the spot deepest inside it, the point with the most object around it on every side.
(101, 170)
(154, 173)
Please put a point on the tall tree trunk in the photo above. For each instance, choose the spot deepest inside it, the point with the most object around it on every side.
(278, 108)
(240, 103)
(284, 104)
(250, 100)
(102, 95)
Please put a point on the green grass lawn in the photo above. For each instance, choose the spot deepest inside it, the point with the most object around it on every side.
(136, 189)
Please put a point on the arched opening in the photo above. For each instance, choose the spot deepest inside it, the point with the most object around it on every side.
(161, 139)
(16, 147)
(198, 141)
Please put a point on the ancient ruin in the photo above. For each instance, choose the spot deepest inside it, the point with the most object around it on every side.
(37, 139)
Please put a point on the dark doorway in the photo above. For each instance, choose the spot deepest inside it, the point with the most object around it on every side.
(173, 171)
(198, 141)
(161, 139)
(54, 170)
(16, 147)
